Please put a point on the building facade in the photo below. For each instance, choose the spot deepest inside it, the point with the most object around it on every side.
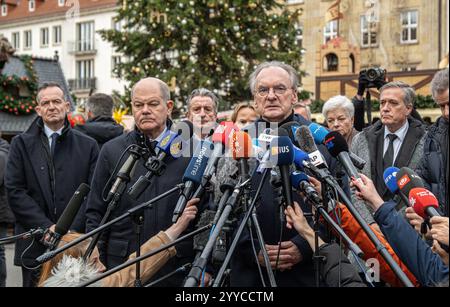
(66, 28)
(398, 35)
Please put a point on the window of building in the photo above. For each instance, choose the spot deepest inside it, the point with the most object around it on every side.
(28, 41)
(57, 35)
(294, 1)
(330, 31)
(409, 68)
(85, 36)
(4, 9)
(352, 68)
(85, 69)
(15, 40)
(31, 5)
(410, 24)
(368, 35)
(44, 37)
(61, 2)
(115, 72)
(331, 63)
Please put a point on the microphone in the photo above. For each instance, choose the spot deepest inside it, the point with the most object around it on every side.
(390, 179)
(424, 202)
(123, 175)
(301, 182)
(338, 148)
(319, 134)
(407, 180)
(292, 128)
(306, 143)
(67, 217)
(241, 150)
(192, 176)
(170, 144)
(282, 155)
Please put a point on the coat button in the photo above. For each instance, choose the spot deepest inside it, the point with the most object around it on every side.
(42, 168)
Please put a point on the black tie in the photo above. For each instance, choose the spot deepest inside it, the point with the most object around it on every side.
(388, 159)
(54, 137)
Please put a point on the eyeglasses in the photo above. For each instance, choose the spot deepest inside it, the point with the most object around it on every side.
(277, 90)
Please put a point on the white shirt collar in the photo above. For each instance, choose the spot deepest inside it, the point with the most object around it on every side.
(48, 132)
(160, 137)
(400, 133)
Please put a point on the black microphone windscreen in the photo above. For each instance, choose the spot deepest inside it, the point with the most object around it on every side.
(407, 180)
(291, 128)
(200, 239)
(335, 143)
(185, 129)
(71, 210)
(305, 140)
(227, 174)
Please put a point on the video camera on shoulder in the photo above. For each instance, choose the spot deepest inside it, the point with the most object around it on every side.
(376, 77)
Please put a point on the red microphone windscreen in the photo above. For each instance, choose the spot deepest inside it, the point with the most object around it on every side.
(223, 132)
(420, 199)
(241, 145)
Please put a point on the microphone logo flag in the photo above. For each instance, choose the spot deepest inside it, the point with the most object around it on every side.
(403, 181)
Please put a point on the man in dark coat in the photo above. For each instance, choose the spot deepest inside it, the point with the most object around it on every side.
(100, 126)
(434, 167)
(274, 87)
(6, 216)
(151, 106)
(46, 165)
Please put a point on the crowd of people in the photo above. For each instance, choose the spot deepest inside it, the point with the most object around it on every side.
(43, 167)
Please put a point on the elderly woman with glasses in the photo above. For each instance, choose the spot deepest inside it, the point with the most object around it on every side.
(339, 115)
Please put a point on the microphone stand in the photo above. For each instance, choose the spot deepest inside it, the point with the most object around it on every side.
(199, 265)
(325, 176)
(47, 256)
(22, 236)
(137, 260)
(136, 152)
(181, 269)
(239, 232)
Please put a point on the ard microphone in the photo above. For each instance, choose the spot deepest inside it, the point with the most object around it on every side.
(282, 155)
(407, 180)
(424, 202)
(338, 148)
(68, 216)
(300, 181)
(192, 177)
(319, 134)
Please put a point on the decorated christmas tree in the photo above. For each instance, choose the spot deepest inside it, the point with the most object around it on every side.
(206, 43)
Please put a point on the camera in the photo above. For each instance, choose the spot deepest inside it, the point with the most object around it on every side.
(375, 76)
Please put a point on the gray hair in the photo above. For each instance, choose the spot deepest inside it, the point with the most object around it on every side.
(338, 102)
(293, 75)
(439, 83)
(48, 85)
(163, 87)
(100, 105)
(203, 92)
(410, 94)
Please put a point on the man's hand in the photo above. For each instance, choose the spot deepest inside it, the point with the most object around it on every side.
(442, 253)
(362, 85)
(415, 220)
(439, 229)
(289, 256)
(367, 191)
(48, 235)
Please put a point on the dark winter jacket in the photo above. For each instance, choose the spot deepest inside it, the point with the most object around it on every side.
(39, 187)
(6, 216)
(244, 268)
(427, 266)
(433, 168)
(336, 270)
(101, 128)
(120, 241)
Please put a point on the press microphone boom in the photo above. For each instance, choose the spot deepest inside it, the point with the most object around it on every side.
(68, 216)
